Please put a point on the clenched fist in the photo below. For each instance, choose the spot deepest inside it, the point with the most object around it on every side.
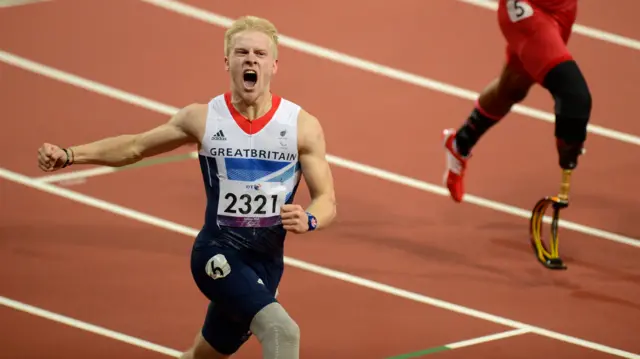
(294, 218)
(51, 157)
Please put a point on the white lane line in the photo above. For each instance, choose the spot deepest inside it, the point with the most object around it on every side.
(583, 30)
(487, 338)
(83, 83)
(59, 318)
(12, 3)
(313, 268)
(479, 201)
(385, 71)
(91, 172)
(168, 110)
(74, 175)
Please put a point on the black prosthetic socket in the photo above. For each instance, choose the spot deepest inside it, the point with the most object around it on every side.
(572, 99)
(471, 131)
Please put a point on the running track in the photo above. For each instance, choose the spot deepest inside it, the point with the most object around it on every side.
(73, 255)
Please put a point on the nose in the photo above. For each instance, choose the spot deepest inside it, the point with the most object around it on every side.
(252, 58)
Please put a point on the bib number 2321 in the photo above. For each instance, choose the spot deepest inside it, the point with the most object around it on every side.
(250, 204)
(244, 199)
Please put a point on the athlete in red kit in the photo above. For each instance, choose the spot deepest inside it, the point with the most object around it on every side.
(537, 32)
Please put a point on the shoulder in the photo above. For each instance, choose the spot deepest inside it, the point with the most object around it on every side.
(310, 131)
(190, 120)
(192, 112)
(191, 116)
(307, 121)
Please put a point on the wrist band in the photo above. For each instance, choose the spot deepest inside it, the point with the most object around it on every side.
(312, 221)
(70, 158)
(66, 163)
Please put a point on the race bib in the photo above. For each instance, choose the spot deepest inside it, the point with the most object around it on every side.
(249, 204)
(518, 10)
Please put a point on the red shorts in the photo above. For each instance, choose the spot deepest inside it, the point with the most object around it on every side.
(536, 36)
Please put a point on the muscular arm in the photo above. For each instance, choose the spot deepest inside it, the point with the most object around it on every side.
(316, 170)
(126, 149)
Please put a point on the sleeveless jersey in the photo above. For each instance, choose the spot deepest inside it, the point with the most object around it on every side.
(250, 169)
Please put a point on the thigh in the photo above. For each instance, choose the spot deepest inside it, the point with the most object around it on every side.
(228, 279)
(236, 293)
(536, 40)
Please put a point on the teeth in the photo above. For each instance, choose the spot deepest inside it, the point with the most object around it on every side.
(250, 72)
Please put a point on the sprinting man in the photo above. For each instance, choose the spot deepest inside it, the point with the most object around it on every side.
(536, 32)
(253, 149)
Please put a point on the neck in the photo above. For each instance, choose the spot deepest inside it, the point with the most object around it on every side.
(252, 109)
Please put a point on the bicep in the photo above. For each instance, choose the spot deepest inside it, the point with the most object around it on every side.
(313, 161)
(168, 136)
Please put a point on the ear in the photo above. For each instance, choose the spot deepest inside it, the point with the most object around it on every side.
(226, 64)
(275, 66)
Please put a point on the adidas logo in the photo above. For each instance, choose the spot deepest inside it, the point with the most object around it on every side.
(219, 136)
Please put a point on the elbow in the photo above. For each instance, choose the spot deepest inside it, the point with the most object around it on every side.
(125, 154)
(333, 209)
(126, 158)
(133, 154)
(333, 215)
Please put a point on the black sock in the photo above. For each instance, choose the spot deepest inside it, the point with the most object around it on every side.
(471, 131)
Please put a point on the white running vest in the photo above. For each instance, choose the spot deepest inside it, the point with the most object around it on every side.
(254, 174)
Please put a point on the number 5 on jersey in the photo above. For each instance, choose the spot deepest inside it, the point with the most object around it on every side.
(519, 10)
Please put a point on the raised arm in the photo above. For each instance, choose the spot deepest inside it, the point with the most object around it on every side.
(316, 170)
(183, 128)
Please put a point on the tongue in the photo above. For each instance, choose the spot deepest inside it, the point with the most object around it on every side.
(249, 83)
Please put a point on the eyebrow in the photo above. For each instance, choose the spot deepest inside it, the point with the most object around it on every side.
(245, 48)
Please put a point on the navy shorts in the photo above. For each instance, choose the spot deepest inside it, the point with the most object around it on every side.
(237, 290)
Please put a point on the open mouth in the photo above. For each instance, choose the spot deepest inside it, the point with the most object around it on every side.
(250, 78)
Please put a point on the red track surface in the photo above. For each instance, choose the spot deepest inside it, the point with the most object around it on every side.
(134, 278)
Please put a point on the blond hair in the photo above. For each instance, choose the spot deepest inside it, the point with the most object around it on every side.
(253, 23)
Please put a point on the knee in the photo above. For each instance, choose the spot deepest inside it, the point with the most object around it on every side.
(274, 324)
(285, 329)
(570, 91)
(290, 330)
(582, 98)
(513, 86)
(573, 100)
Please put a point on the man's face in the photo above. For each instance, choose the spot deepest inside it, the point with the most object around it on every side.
(251, 63)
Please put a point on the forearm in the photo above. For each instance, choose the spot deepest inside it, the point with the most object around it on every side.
(113, 151)
(324, 209)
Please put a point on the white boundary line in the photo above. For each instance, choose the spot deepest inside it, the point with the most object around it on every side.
(313, 268)
(583, 30)
(168, 110)
(59, 318)
(385, 71)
